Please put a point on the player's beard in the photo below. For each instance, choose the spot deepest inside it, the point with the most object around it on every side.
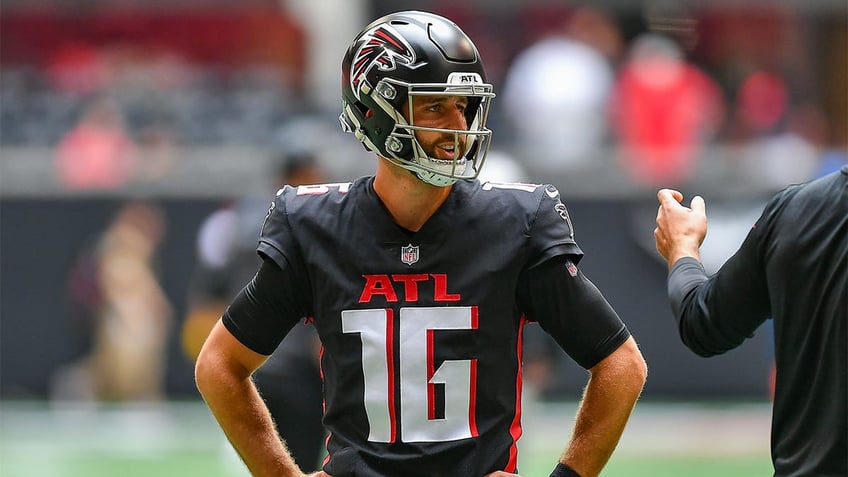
(436, 149)
(442, 160)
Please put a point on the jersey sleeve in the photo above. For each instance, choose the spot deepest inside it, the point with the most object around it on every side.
(266, 309)
(276, 240)
(551, 232)
(570, 308)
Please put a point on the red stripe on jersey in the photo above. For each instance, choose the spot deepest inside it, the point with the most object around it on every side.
(321, 373)
(431, 388)
(324, 405)
(327, 446)
(472, 408)
(515, 428)
(390, 360)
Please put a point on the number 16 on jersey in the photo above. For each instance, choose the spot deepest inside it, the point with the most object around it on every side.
(416, 374)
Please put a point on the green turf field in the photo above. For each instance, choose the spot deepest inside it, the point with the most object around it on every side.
(180, 439)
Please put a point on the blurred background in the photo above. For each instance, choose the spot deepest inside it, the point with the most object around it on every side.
(137, 136)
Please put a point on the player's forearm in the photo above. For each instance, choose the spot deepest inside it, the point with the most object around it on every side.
(716, 314)
(244, 418)
(609, 398)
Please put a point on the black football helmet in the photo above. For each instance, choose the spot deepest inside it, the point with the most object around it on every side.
(411, 53)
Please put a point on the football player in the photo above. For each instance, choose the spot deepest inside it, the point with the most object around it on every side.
(419, 281)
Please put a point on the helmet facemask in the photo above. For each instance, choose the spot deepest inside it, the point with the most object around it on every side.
(470, 145)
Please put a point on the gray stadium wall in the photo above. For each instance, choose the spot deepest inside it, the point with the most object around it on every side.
(39, 239)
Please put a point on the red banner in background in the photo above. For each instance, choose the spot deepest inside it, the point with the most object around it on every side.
(216, 36)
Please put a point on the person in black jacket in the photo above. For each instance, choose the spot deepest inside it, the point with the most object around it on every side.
(792, 268)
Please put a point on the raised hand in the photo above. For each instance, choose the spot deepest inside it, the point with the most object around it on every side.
(680, 230)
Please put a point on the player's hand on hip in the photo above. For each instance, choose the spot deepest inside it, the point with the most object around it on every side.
(500, 473)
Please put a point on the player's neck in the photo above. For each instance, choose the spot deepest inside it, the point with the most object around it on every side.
(409, 201)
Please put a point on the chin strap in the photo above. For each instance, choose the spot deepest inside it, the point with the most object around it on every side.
(438, 180)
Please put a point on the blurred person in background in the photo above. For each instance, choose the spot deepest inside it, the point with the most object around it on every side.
(663, 111)
(289, 381)
(779, 137)
(419, 280)
(556, 91)
(98, 152)
(785, 95)
(159, 147)
(792, 268)
(502, 166)
(116, 283)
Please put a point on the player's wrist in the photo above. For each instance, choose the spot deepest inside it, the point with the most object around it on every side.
(562, 470)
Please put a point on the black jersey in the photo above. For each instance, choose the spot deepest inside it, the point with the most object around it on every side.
(793, 268)
(421, 332)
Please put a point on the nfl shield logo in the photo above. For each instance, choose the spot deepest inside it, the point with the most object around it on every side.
(409, 254)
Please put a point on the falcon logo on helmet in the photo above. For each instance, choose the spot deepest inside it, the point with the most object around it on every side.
(384, 48)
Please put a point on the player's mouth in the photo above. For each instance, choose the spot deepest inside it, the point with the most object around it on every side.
(447, 151)
(445, 158)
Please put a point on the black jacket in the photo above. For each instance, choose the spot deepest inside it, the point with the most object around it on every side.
(792, 268)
